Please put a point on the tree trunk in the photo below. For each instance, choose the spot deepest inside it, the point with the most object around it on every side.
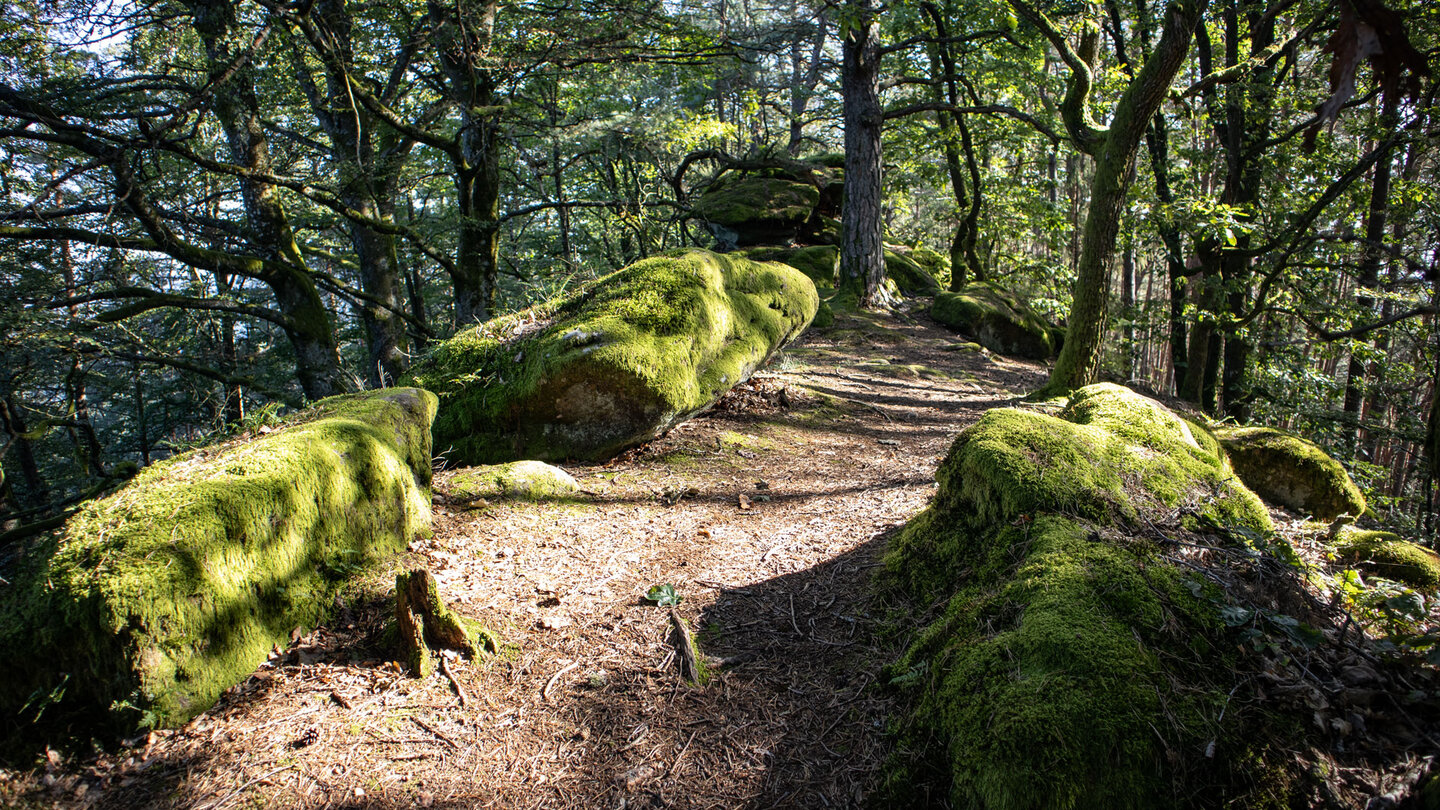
(862, 257)
(366, 185)
(462, 34)
(1372, 253)
(1114, 150)
(317, 355)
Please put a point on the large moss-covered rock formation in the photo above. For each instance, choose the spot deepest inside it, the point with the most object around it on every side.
(1072, 665)
(774, 201)
(149, 603)
(615, 364)
(998, 319)
(1291, 472)
(759, 210)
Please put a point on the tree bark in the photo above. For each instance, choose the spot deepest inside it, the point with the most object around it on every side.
(862, 256)
(1114, 150)
(237, 109)
(366, 185)
(462, 34)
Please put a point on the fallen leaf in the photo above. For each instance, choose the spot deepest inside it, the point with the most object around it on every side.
(744, 502)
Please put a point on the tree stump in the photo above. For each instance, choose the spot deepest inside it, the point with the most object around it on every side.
(425, 622)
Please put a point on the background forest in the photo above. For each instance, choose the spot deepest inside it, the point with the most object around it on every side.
(213, 210)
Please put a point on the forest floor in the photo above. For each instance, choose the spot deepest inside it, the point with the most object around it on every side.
(769, 515)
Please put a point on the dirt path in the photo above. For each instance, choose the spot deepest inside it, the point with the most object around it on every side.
(832, 448)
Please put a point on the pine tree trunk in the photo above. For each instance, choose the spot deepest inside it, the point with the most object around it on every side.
(862, 262)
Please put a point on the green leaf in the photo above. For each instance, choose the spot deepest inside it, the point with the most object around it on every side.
(663, 595)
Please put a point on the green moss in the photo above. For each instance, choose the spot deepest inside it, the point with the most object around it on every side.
(744, 441)
(1292, 472)
(615, 364)
(157, 598)
(1110, 454)
(936, 264)
(522, 480)
(1042, 682)
(1071, 665)
(909, 276)
(750, 200)
(1387, 555)
(824, 316)
(819, 262)
(996, 318)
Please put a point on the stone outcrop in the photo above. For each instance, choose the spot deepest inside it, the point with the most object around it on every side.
(615, 364)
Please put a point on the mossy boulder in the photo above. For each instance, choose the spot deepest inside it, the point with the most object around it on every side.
(997, 318)
(1289, 471)
(1387, 555)
(615, 364)
(910, 276)
(819, 262)
(519, 480)
(149, 603)
(760, 210)
(1072, 662)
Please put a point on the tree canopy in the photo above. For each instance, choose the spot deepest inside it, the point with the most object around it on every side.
(214, 209)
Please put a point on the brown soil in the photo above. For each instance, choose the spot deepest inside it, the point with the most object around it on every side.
(769, 517)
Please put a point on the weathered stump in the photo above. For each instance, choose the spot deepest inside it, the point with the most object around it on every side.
(425, 622)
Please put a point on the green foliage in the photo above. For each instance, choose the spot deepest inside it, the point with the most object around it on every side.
(663, 595)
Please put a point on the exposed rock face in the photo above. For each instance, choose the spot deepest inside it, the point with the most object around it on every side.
(1289, 471)
(999, 320)
(149, 603)
(1387, 555)
(617, 363)
(521, 480)
(1073, 658)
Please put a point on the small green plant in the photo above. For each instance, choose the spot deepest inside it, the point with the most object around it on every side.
(663, 595)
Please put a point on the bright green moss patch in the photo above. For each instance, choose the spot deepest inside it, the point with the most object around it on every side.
(1289, 471)
(1386, 555)
(997, 318)
(149, 603)
(1044, 685)
(1074, 665)
(521, 480)
(1109, 455)
(617, 363)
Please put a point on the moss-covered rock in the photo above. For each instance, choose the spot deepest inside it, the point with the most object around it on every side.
(997, 318)
(615, 364)
(936, 264)
(760, 210)
(521, 480)
(819, 262)
(1387, 555)
(1069, 668)
(909, 275)
(1290, 471)
(149, 603)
